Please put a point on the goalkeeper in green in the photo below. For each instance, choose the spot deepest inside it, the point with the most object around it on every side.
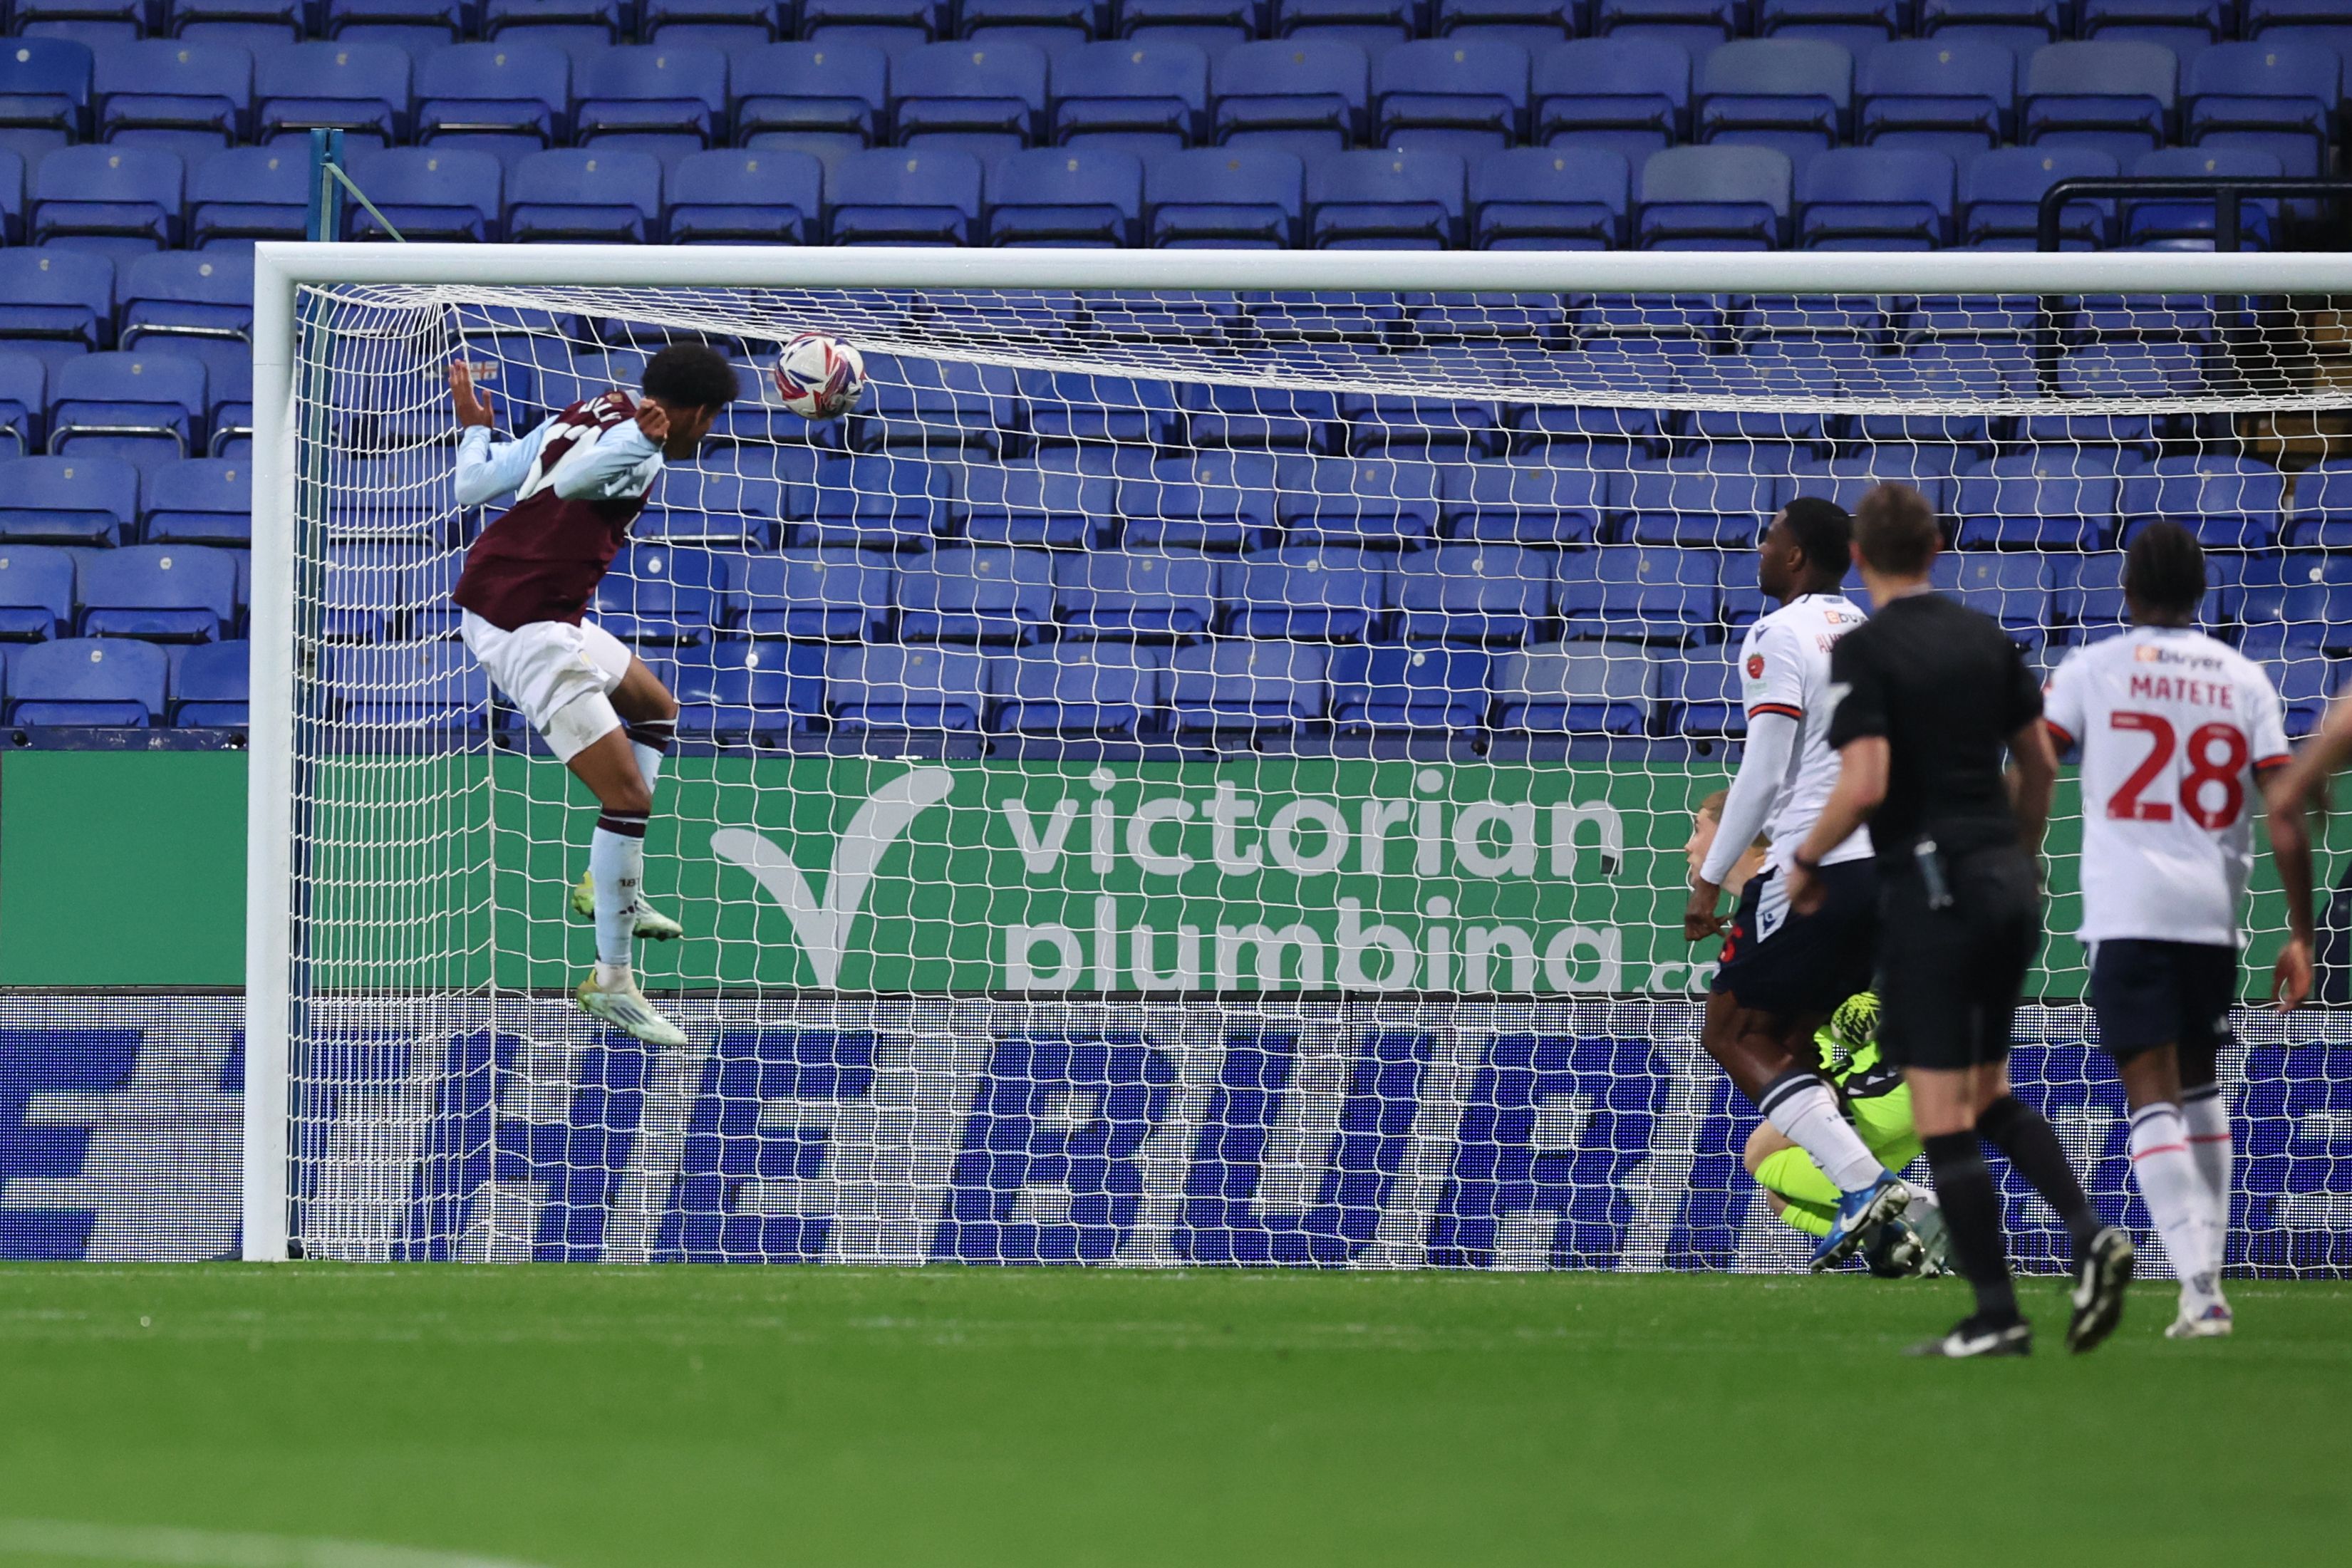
(1875, 1098)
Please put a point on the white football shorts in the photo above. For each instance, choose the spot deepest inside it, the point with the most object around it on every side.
(563, 677)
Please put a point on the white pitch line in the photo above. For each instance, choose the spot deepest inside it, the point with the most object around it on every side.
(220, 1548)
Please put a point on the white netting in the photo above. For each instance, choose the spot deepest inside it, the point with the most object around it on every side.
(1375, 643)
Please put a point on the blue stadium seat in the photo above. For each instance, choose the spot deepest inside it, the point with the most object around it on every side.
(175, 593)
(1876, 198)
(246, 194)
(146, 408)
(1217, 500)
(67, 501)
(1705, 697)
(245, 24)
(2021, 26)
(1082, 688)
(101, 24)
(1066, 196)
(663, 99)
(746, 196)
(2058, 499)
(1147, 595)
(2012, 587)
(406, 690)
(889, 687)
(584, 195)
(978, 95)
(736, 694)
(429, 193)
(1699, 26)
(23, 402)
(1574, 688)
(1225, 196)
(1318, 594)
(2118, 97)
(820, 595)
(1241, 684)
(711, 505)
(1381, 500)
(1794, 94)
(1688, 503)
(1372, 25)
(1534, 24)
(12, 196)
(1953, 96)
(982, 595)
(1929, 469)
(210, 686)
(189, 99)
(583, 27)
(118, 201)
(1713, 198)
(231, 416)
(833, 95)
(2187, 27)
(1141, 96)
(1048, 502)
(1472, 594)
(660, 596)
(1303, 95)
(2306, 682)
(88, 681)
(1386, 199)
(2000, 195)
(1532, 503)
(37, 594)
(505, 98)
(2111, 370)
(2279, 100)
(1225, 414)
(1071, 406)
(2178, 218)
(2322, 518)
(879, 502)
(732, 26)
(2298, 23)
(1052, 26)
(1396, 687)
(418, 27)
(2230, 503)
(1465, 95)
(1640, 593)
(919, 403)
(896, 25)
(1630, 96)
(2299, 598)
(2087, 595)
(1210, 26)
(904, 196)
(362, 87)
(45, 91)
(198, 501)
(180, 303)
(1860, 25)
(1564, 197)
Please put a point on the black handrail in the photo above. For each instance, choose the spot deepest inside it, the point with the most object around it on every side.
(2227, 194)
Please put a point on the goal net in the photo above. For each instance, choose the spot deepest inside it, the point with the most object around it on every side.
(1187, 773)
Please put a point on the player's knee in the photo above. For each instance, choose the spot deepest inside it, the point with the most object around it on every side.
(626, 794)
(1760, 1146)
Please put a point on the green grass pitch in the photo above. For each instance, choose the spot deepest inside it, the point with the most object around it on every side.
(578, 1418)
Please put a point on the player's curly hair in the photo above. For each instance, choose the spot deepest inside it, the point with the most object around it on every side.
(691, 375)
(2164, 570)
(1822, 531)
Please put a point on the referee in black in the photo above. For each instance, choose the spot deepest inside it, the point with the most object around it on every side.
(1929, 694)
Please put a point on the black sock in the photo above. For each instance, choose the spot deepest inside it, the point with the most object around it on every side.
(2026, 1136)
(1972, 1213)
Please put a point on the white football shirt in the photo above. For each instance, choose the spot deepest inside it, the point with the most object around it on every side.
(2173, 727)
(1784, 668)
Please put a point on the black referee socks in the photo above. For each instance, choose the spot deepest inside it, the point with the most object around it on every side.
(2026, 1136)
(1972, 1212)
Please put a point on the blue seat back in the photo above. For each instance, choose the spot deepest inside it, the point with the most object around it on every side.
(1400, 176)
(2091, 68)
(1295, 67)
(1135, 68)
(906, 177)
(971, 68)
(1220, 177)
(1068, 176)
(589, 177)
(1780, 67)
(112, 174)
(89, 680)
(656, 72)
(1468, 66)
(1745, 175)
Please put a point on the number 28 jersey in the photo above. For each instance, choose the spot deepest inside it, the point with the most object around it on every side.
(2174, 728)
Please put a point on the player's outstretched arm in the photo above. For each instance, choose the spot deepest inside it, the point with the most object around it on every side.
(472, 405)
(2290, 830)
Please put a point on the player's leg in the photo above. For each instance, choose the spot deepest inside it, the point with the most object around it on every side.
(1792, 1184)
(649, 718)
(1883, 1118)
(2205, 1116)
(616, 862)
(2146, 994)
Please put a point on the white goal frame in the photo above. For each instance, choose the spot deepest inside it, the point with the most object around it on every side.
(282, 269)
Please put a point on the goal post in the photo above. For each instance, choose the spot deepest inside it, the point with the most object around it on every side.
(1369, 984)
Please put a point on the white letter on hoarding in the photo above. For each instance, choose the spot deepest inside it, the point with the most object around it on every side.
(1604, 947)
(1225, 810)
(1019, 943)
(1478, 941)
(1518, 856)
(1148, 816)
(1355, 938)
(1232, 939)
(1039, 851)
(1373, 822)
(1282, 837)
(1610, 840)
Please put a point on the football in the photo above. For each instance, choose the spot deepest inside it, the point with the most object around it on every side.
(819, 377)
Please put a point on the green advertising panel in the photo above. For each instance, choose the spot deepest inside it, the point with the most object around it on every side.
(450, 872)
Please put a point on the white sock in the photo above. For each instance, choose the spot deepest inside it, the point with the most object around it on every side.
(650, 739)
(1805, 1111)
(2177, 1196)
(616, 863)
(2208, 1118)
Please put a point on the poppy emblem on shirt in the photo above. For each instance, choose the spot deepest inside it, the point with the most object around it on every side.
(2147, 654)
(1755, 666)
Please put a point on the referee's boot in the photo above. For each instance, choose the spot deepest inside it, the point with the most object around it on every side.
(1980, 1336)
(2101, 1274)
(1858, 1215)
(652, 925)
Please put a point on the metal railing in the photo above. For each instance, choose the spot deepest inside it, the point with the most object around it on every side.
(2229, 196)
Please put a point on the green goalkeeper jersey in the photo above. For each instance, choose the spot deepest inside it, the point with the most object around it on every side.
(1850, 1055)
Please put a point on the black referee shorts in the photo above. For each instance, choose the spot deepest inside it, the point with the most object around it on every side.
(1949, 978)
(1781, 962)
(2147, 994)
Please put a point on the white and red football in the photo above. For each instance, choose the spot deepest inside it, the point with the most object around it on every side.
(819, 377)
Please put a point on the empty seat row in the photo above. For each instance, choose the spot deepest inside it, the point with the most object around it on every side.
(117, 681)
(175, 593)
